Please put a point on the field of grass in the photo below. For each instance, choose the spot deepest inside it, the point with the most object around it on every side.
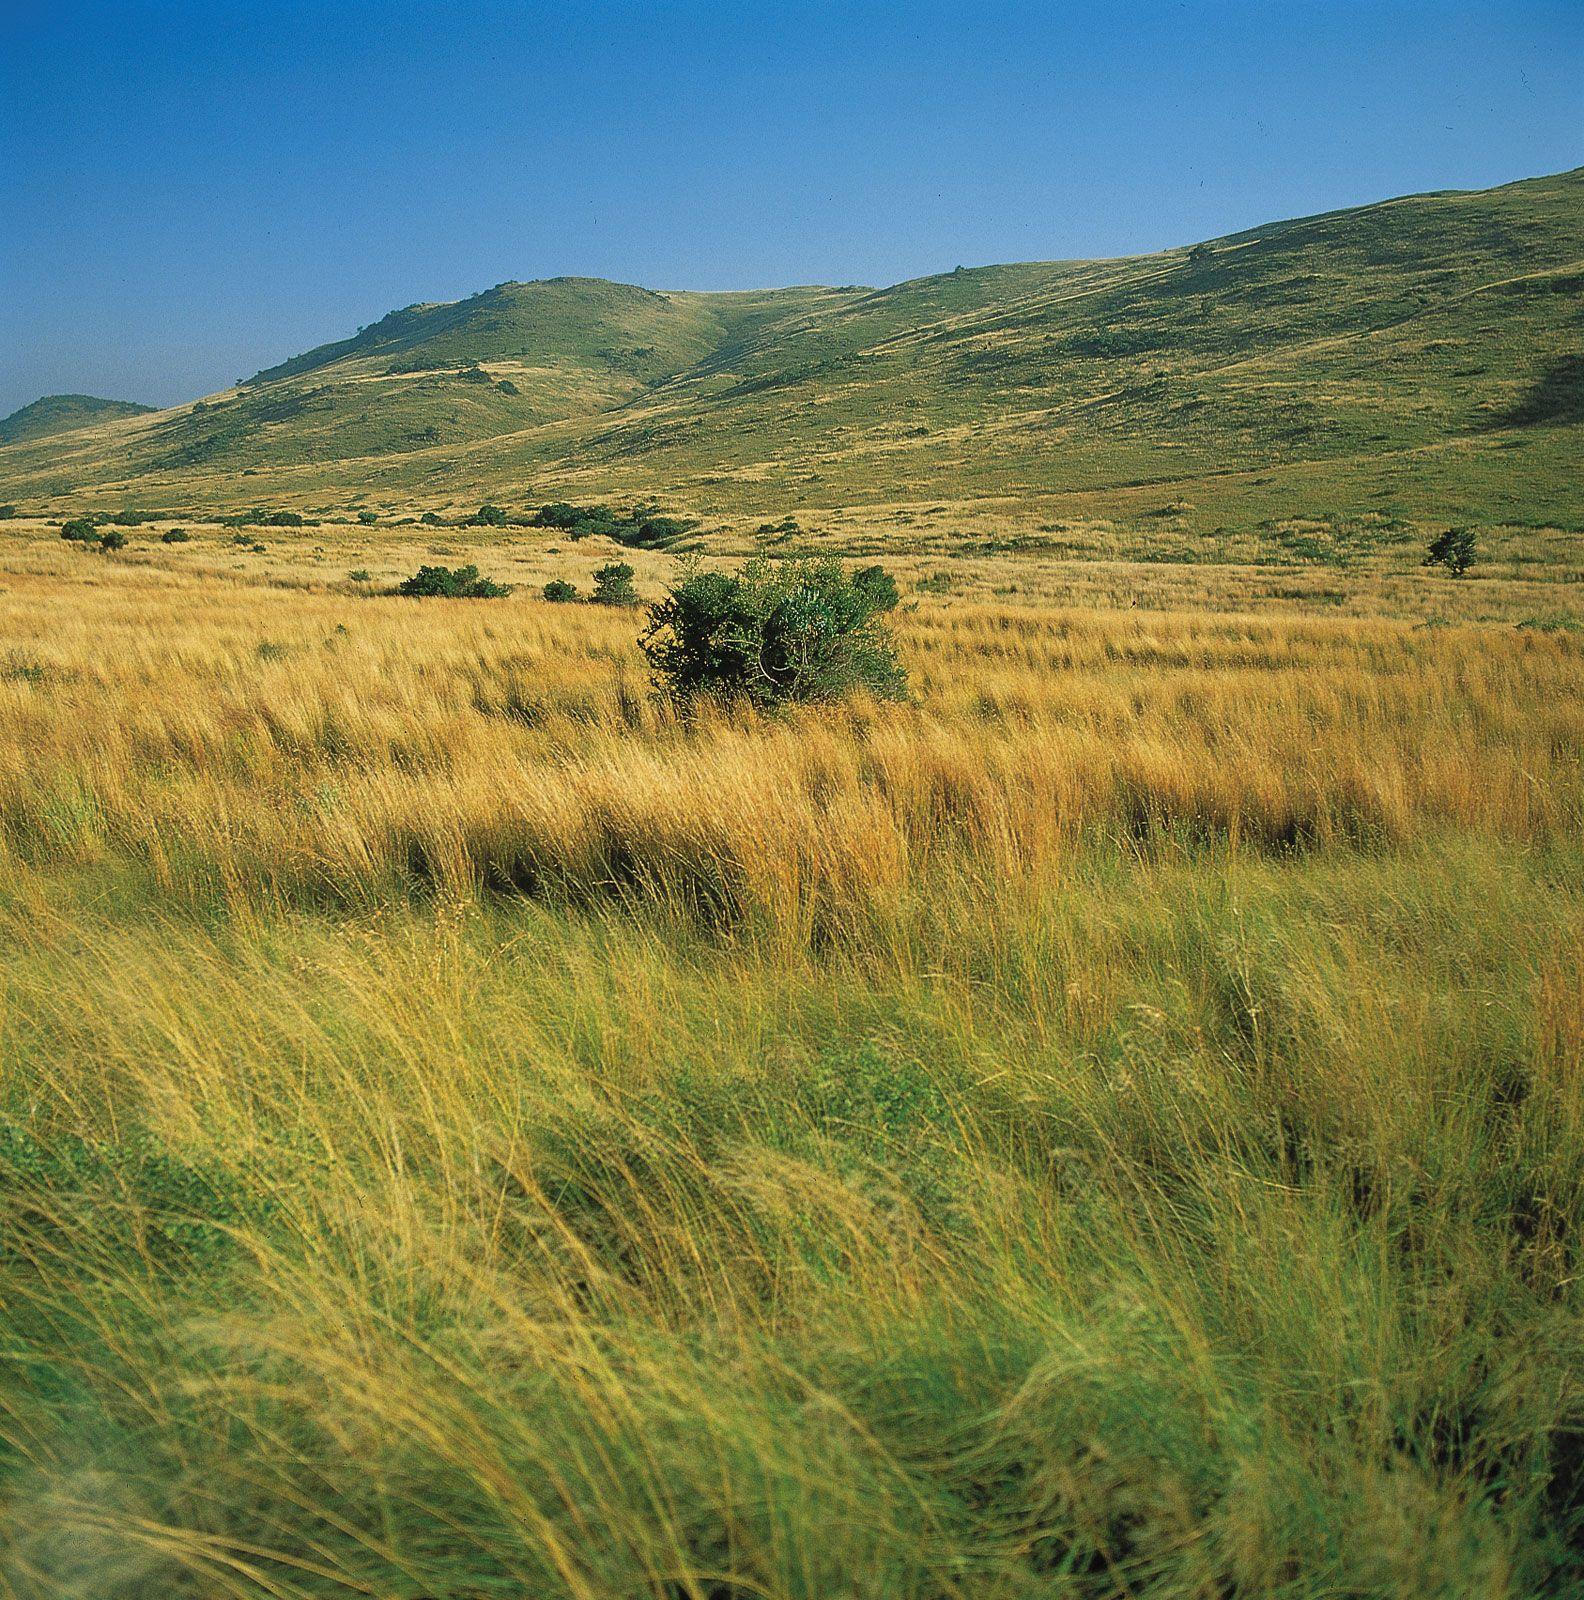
(1109, 1126)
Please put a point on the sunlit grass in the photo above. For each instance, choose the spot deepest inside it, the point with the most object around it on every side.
(1111, 1125)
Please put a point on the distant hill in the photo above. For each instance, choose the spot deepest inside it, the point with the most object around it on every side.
(62, 413)
(1430, 348)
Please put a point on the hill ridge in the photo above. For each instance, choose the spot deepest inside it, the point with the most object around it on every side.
(1348, 336)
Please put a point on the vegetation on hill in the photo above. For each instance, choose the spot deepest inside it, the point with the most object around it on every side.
(63, 413)
(1425, 349)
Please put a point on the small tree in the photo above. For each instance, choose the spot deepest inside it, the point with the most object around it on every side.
(794, 631)
(448, 583)
(80, 530)
(559, 592)
(112, 539)
(174, 536)
(488, 516)
(1453, 548)
(613, 585)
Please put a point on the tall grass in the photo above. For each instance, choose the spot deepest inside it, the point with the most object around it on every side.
(1110, 1127)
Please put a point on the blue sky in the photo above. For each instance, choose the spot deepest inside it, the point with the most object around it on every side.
(191, 191)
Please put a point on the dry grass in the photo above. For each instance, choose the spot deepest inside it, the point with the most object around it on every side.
(1109, 1127)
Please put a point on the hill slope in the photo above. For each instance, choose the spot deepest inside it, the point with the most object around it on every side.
(63, 413)
(1435, 342)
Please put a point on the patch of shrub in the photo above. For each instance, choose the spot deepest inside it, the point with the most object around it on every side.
(641, 527)
(431, 519)
(259, 518)
(368, 518)
(1455, 549)
(559, 591)
(488, 516)
(876, 582)
(360, 575)
(112, 539)
(452, 583)
(775, 633)
(80, 530)
(613, 585)
(7, 512)
(174, 536)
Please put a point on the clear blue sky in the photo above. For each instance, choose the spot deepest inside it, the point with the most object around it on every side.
(191, 191)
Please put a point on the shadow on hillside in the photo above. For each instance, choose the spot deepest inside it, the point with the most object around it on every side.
(1557, 397)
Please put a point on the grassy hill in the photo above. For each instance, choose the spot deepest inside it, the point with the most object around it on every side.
(63, 413)
(1425, 352)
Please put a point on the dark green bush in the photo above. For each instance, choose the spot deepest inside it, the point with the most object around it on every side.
(641, 527)
(80, 530)
(776, 632)
(879, 585)
(613, 585)
(174, 536)
(430, 520)
(559, 591)
(259, 518)
(488, 516)
(368, 518)
(112, 539)
(7, 512)
(1455, 549)
(452, 583)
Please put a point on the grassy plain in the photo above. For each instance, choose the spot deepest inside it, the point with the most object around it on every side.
(1110, 1126)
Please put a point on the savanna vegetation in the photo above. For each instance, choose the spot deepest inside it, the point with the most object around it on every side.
(1108, 1123)
(1000, 1018)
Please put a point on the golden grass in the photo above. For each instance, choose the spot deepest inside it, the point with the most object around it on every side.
(272, 745)
(1111, 1126)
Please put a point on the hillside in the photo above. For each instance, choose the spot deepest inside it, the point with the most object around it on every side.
(63, 413)
(1428, 350)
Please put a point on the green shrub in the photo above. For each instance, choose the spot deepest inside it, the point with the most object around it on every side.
(360, 575)
(259, 518)
(452, 583)
(488, 516)
(7, 512)
(559, 591)
(613, 585)
(641, 527)
(80, 530)
(1455, 549)
(793, 631)
(879, 585)
(368, 518)
(174, 536)
(431, 520)
(112, 539)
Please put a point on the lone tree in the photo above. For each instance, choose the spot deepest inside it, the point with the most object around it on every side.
(1455, 549)
(775, 633)
(613, 585)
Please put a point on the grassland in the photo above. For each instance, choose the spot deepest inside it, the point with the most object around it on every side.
(1423, 357)
(1109, 1126)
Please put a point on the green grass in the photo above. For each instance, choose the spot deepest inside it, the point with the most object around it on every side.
(1424, 350)
(63, 413)
(580, 1256)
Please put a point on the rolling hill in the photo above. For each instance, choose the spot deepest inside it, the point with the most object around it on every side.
(63, 413)
(1427, 350)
